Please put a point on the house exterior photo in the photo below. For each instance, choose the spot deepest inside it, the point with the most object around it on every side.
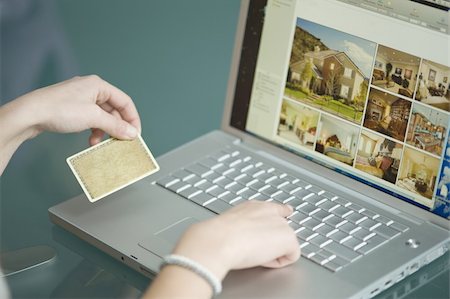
(333, 73)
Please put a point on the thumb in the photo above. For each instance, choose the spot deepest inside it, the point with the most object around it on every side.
(114, 126)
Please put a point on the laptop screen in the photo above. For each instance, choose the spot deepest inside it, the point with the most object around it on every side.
(359, 86)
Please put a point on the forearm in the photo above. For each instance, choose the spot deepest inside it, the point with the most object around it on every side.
(177, 282)
(18, 122)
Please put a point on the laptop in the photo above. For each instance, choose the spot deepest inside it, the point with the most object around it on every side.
(340, 109)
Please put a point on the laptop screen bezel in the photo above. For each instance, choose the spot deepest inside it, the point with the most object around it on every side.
(244, 55)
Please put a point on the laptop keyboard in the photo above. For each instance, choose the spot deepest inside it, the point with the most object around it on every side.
(332, 231)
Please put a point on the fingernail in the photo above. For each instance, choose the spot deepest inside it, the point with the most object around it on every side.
(131, 131)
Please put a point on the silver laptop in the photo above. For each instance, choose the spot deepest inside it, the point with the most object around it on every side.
(338, 108)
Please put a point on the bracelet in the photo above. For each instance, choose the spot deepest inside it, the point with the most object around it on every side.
(195, 267)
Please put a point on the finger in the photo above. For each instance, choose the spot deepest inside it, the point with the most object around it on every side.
(121, 102)
(118, 128)
(284, 260)
(96, 136)
(284, 210)
(288, 258)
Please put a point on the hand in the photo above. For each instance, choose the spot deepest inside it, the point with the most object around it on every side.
(251, 234)
(83, 103)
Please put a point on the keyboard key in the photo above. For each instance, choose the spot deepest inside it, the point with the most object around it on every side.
(220, 156)
(363, 234)
(229, 198)
(312, 224)
(370, 214)
(306, 234)
(386, 231)
(266, 177)
(218, 192)
(400, 227)
(328, 206)
(283, 197)
(372, 244)
(178, 187)
(278, 183)
(322, 215)
(299, 217)
(320, 241)
(313, 189)
(182, 174)
(356, 208)
(385, 220)
(210, 163)
(349, 228)
(269, 191)
(258, 185)
(302, 194)
(295, 226)
(199, 170)
(342, 202)
(190, 192)
(326, 230)
(342, 211)
(339, 236)
(319, 259)
(342, 252)
(369, 224)
(355, 218)
(308, 209)
(354, 243)
(328, 195)
(218, 206)
(331, 265)
(167, 181)
(202, 198)
(205, 186)
(302, 183)
(193, 180)
(237, 200)
(236, 188)
(295, 203)
(214, 177)
(244, 179)
(290, 188)
(224, 182)
(309, 250)
(232, 173)
(315, 200)
(248, 193)
(335, 221)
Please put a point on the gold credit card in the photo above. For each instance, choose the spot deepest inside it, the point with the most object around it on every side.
(112, 165)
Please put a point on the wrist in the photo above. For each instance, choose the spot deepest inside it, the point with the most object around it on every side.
(22, 117)
(214, 264)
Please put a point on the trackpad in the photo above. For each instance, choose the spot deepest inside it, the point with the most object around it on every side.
(163, 241)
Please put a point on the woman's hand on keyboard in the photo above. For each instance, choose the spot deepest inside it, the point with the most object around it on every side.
(251, 234)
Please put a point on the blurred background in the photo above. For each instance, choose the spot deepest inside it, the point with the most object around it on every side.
(171, 56)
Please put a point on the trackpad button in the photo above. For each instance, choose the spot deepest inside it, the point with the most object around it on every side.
(163, 241)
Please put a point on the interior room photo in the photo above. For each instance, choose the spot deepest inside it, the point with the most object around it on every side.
(434, 85)
(387, 114)
(337, 139)
(427, 129)
(443, 188)
(298, 123)
(378, 156)
(395, 71)
(418, 172)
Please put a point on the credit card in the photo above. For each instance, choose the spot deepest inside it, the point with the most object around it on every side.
(112, 165)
